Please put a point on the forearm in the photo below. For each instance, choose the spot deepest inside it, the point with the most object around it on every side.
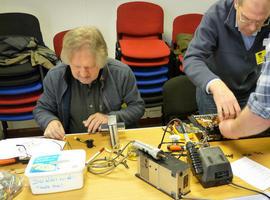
(246, 124)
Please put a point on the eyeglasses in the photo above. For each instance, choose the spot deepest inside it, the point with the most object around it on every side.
(248, 21)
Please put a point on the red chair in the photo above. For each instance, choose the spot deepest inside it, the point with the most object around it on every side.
(139, 34)
(139, 28)
(58, 42)
(187, 23)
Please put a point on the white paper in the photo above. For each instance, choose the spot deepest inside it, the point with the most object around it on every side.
(252, 172)
(10, 148)
(253, 197)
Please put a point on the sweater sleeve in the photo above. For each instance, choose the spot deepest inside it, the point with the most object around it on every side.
(46, 108)
(200, 49)
(134, 109)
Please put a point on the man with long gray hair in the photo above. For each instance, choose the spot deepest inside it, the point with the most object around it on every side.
(81, 92)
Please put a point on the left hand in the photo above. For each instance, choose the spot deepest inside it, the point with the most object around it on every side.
(226, 102)
(225, 128)
(94, 121)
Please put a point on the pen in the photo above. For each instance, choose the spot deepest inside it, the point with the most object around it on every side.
(94, 156)
(9, 161)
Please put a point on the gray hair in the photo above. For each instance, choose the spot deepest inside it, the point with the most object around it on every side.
(86, 36)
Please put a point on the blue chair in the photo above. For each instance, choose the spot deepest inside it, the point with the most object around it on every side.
(21, 89)
(21, 117)
(150, 72)
(150, 90)
(160, 80)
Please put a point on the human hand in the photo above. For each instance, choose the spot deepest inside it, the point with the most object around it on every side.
(94, 121)
(225, 128)
(226, 103)
(55, 130)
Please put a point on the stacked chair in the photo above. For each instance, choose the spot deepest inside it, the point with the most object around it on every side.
(184, 24)
(140, 45)
(20, 84)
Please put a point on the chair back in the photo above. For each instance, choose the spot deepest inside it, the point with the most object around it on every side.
(179, 98)
(20, 24)
(141, 19)
(187, 23)
(58, 42)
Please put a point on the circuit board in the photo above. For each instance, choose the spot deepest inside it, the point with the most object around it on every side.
(209, 124)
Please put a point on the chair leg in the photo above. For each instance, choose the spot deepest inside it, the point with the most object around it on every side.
(5, 127)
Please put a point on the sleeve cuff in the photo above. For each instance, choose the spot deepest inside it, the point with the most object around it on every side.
(208, 84)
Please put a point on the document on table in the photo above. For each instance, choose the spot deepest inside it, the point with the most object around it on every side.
(252, 172)
(252, 197)
(26, 147)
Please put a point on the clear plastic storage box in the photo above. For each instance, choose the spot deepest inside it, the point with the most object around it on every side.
(56, 172)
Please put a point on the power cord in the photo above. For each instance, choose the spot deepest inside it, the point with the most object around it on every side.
(107, 165)
(256, 191)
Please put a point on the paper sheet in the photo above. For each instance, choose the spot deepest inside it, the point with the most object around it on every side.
(22, 147)
(253, 197)
(252, 172)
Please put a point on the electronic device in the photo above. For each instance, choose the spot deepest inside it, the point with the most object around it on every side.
(112, 123)
(209, 124)
(168, 174)
(153, 151)
(209, 165)
(163, 171)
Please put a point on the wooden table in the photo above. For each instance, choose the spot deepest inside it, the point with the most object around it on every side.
(121, 184)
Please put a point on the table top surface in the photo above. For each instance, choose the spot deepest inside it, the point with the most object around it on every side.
(123, 184)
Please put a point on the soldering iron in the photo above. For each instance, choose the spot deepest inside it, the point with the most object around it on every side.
(153, 151)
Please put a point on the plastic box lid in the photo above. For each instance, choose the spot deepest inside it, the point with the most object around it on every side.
(66, 161)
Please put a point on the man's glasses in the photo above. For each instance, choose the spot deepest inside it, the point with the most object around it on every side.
(243, 19)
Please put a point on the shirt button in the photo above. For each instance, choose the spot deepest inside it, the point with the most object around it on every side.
(91, 106)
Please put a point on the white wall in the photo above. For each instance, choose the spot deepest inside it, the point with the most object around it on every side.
(58, 15)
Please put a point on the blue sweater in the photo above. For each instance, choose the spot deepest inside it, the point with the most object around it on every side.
(218, 51)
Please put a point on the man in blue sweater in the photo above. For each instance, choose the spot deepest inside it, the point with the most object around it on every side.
(81, 92)
(225, 56)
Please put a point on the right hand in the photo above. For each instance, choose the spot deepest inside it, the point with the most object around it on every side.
(226, 103)
(55, 130)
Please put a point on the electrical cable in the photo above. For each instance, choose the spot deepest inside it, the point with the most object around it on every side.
(253, 190)
(165, 131)
(104, 165)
